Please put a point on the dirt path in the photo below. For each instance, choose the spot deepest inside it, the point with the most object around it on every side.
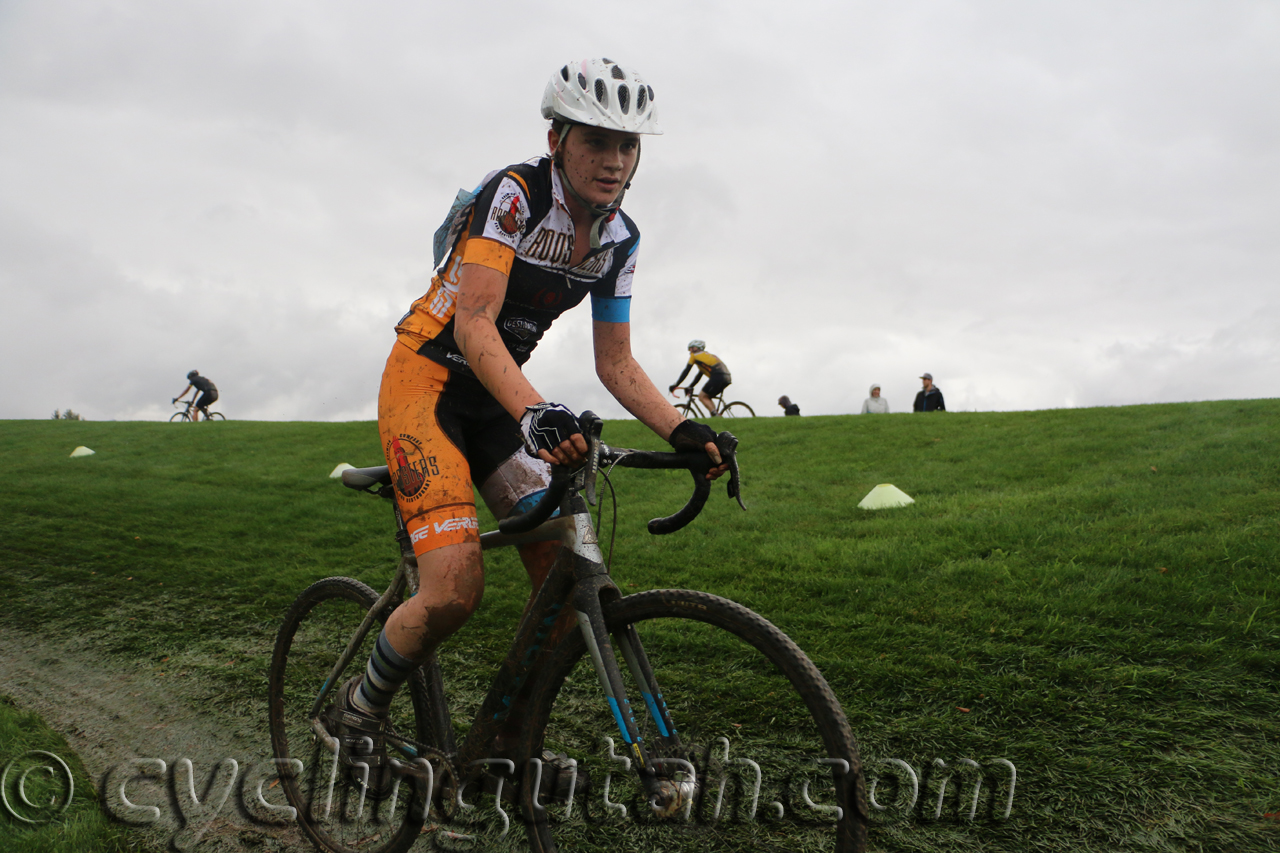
(112, 714)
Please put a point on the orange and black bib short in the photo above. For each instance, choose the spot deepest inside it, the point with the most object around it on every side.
(441, 432)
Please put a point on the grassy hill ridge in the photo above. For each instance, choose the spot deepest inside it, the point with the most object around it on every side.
(1095, 588)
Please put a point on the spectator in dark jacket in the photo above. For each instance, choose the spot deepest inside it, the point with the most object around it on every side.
(788, 407)
(929, 399)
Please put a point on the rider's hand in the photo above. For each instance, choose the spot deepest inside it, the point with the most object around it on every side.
(174, 400)
(552, 434)
(691, 435)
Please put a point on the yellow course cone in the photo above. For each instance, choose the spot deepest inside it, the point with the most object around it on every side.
(337, 472)
(885, 496)
(81, 451)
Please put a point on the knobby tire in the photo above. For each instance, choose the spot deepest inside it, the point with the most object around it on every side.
(725, 673)
(316, 629)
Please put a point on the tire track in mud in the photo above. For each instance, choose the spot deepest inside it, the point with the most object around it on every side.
(111, 713)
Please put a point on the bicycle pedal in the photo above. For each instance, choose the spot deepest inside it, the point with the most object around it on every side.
(560, 778)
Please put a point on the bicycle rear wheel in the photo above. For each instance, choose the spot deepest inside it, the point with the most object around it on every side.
(737, 409)
(775, 763)
(331, 811)
(216, 416)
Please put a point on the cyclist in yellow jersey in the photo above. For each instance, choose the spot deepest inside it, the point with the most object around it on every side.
(716, 371)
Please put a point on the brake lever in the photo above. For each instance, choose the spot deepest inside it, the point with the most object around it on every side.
(592, 426)
(727, 442)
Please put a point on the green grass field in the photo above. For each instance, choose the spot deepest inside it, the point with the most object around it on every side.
(82, 827)
(1090, 594)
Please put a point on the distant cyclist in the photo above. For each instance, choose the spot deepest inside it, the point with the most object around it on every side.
(208, 394)
(716, 371)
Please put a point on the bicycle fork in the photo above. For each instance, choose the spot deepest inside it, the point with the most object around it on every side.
(593, 584)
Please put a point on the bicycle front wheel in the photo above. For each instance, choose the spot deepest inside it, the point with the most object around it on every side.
(688, 409)
(179, 416)
(331, 811)
(737, 409)
(762, 752)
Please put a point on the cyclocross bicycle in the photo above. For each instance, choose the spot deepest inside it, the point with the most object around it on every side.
(187, 413)
(667, 720)
(692, 407)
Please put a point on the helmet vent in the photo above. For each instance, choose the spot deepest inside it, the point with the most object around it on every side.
(642, 98)
(582, 82)
(651, 97)
(616, 73)
(602, 93)
(624, 98)
(564, 72)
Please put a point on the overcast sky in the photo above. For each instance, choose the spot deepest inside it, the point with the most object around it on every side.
(1044, 204)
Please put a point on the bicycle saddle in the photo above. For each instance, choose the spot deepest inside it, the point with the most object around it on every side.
(366, 479)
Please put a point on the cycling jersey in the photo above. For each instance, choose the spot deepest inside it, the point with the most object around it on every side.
(520, 226)
(707, 364)
(710, 366)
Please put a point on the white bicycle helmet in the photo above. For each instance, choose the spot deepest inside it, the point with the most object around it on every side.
(599, 92)
(697, 344)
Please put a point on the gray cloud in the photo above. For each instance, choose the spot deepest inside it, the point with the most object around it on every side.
(1044, 205)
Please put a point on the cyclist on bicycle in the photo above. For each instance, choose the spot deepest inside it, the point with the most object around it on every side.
(716, 371)
(208, 394)
(531, 242)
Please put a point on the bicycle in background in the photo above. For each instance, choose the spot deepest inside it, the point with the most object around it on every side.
(187, 413)
(666, 720)
(692, 407)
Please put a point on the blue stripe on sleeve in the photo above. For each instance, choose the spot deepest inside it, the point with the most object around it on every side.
(611, 310)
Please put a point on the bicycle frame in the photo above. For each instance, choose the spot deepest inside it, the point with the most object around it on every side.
(696, 409)
(579, 578)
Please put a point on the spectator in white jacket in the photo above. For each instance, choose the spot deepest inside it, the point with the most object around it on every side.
(875, 404)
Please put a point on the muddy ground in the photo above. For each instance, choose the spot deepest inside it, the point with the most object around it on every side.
(113, 714)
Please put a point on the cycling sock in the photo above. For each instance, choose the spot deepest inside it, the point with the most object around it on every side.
(386, 671)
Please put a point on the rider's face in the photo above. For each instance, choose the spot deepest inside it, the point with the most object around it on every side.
(597, 161)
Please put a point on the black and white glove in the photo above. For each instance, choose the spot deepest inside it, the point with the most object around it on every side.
(691, 435)
(545, 425)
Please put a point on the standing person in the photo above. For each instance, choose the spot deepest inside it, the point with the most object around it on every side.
(454, 407)
(789, 409)
(208, 394)
(929, 398)
(716, 371)
(875, 404)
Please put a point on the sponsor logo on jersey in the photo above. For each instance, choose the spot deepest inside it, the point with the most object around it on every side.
(522, 327)
(458, 357)
(595, 267)
(508, 215)
(548, 297)
(410, 467)
(550, 247)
